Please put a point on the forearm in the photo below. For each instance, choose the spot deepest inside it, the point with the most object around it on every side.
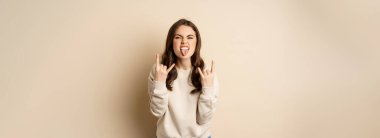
(206, 105)
(159, 98)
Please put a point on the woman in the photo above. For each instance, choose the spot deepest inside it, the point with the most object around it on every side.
(182, 92)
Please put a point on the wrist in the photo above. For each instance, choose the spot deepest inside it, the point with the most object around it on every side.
(207, 85)
(160, 79)
(159, 85)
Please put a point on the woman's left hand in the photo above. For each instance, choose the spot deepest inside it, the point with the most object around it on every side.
(207, 76)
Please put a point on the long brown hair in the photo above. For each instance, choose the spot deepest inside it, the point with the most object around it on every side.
(169, 57)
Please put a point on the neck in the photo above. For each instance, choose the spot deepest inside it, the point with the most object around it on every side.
(184, 64)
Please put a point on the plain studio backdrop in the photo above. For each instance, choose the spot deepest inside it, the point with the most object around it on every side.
(287, 69)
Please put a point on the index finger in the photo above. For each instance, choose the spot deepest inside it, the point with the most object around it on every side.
(157, 59)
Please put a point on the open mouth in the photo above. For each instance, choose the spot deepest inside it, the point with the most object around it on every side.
(184, 50)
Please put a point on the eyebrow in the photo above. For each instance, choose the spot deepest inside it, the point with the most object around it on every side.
(182, 36)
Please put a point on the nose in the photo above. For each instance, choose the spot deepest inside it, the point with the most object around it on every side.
(184, 40)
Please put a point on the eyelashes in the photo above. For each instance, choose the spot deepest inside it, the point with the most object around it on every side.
(181, 37)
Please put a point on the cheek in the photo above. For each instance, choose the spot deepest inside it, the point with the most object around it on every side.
(176, 43)
(193, 43)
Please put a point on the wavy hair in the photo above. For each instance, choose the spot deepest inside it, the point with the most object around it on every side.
(169, 57)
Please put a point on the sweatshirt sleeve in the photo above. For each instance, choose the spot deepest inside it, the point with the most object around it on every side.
(158, 95)
(207, 102)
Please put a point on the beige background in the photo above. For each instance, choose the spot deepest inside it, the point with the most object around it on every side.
(287, 69)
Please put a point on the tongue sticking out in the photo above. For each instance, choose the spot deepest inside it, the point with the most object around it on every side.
(184, 52)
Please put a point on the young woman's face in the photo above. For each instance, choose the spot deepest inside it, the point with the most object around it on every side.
(184, 42)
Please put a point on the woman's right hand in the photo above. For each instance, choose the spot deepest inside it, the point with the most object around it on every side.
(161, 70)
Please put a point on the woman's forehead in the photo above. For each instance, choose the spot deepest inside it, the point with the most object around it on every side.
(184, 30)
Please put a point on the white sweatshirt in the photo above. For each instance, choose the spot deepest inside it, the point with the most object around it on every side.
(181, 114)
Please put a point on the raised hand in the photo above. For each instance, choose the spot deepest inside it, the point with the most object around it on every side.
(207, 76)
(161, 70)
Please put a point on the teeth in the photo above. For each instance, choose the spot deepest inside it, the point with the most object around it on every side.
(184, 48)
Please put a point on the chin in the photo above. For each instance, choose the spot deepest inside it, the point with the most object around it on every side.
(184, 57)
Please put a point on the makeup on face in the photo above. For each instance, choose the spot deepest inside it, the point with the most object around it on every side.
(184, 41)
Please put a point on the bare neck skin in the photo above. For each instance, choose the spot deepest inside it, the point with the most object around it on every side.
(183, 64)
